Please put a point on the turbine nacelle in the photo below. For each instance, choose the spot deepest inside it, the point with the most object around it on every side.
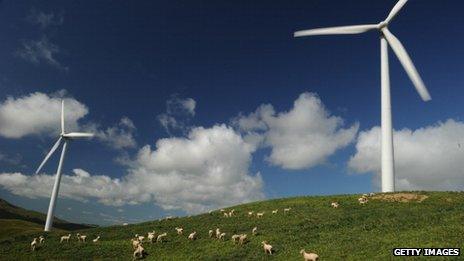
(63, 136)
(394, 43)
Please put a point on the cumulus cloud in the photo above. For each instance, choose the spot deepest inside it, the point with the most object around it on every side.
(40, 51)
(207, 169)
(38, 113)
(300, 138)
(120, 136)
(178, 113)
(429, 158)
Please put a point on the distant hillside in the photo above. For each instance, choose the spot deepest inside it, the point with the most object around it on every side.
(350, 232)
(9, 211)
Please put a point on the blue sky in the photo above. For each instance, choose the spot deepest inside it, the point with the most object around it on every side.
(142, 61)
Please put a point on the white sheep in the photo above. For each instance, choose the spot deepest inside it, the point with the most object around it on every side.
(135, 243)
(139, 251)
(210, 233)
(309, 256)
(63, 238)
(222, 236)
(235, 238)
(81, 238)
(286, 210)
(192, 236)
(334, 204)
(250, 213)
(161, 237)
(231, 214)
(226, 214)
(179, 230)
(169, 218)
(243, 239)
(151, 236)
(275, 211)
(34, 244)
(95, 240)
(254, 231)
(259, 214)
(140, 238)
(222, 210)
(41, 239)
(362, 200)
(218, 232)
(267, 247)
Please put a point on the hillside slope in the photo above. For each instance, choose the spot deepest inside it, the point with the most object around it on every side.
(351, 232)
(9, 211)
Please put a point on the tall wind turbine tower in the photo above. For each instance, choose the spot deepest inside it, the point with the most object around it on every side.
(65, 138)
(386, 38)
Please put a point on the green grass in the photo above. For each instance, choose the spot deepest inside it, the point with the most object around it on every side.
(351, 232)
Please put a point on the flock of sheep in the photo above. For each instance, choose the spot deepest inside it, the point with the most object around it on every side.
(241, 239)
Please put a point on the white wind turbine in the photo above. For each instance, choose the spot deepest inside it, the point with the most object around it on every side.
(386, 37)
(65, 137)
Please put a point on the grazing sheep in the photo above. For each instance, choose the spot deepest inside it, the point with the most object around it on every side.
(218, 232)
(169, 218)
(267, 248)
(151, 236)
(41, 239)
(161, 237)
(34, 244)
(275, 211)
(254, 231)
(362, 200)
(365, 195)
(193, 235)
(226, 214)
(222, 210)
(309, 256)
(135, 243)
(210, 233)
(287, 210)
(243, 239)
(235, 238)
(81, 238)
(63, 238)
(231, 214)
(179, 230)
(125, 224)
(95, 240)
(334, 204)
(139, 252)
(259, 214)
(371, 194)
(222, 236)
(140, 238)
(250, 213)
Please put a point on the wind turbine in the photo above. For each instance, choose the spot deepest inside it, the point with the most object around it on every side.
(65, 138)
(386, 38)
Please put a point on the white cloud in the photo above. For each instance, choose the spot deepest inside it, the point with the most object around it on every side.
(42, 50)
(178, 113)
(120, 136)
(44, 20)
(300, 138)
(207, 169)
(36, 114)
(429, 158)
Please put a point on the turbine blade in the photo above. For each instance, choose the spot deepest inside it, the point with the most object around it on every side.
(395, 10)
(351, 29)
(74, 135)
(57, 143)
(62, 116)
(406, 61)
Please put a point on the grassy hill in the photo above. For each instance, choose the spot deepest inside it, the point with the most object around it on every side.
(351, 232)
(22, 220)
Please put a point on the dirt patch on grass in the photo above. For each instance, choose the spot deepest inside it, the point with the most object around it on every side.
(401, 197)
